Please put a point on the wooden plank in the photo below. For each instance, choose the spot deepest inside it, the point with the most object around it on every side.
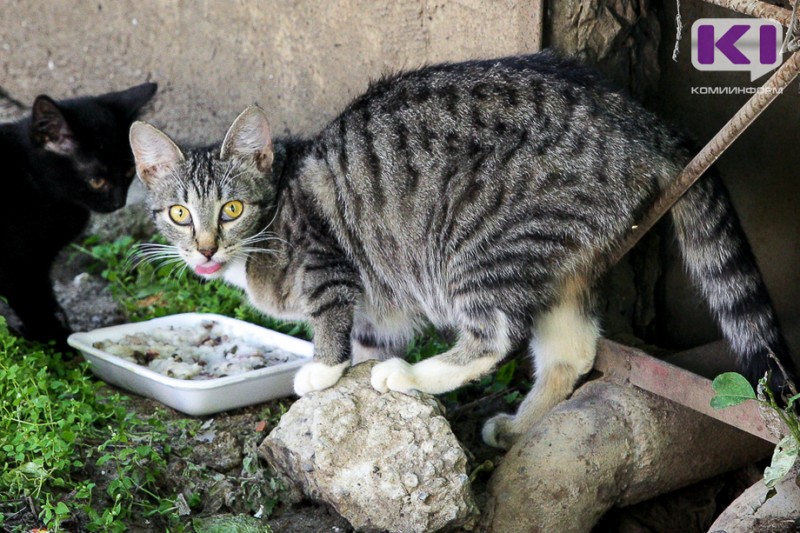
(678, 385)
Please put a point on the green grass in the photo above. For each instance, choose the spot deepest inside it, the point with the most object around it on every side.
(54, 423)
(148, 291)
(60, 426)
(57, 420)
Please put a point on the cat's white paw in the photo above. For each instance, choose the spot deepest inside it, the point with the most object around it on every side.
(394, 374)
(499, 432)
(317, 376)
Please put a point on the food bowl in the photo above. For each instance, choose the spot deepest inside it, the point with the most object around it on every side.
(195, 396)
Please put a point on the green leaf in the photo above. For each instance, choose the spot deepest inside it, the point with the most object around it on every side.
(783, 459)
(506, 372)
(104, 459)
(732, 389)
(512, 397)
(33, 469)
(62, 509)
(68, 436)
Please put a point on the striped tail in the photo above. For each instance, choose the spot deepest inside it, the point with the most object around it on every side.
(721, 263)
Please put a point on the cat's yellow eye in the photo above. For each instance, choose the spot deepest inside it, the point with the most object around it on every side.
(231, 210)
(180, 215)
(98, 183)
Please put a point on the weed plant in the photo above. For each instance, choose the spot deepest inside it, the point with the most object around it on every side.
(732, 389)
(55, 424)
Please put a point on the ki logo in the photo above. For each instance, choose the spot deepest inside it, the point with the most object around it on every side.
(734, 44)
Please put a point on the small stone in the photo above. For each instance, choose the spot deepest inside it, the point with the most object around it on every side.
(410, 480)
(223, 452)
(81, 279)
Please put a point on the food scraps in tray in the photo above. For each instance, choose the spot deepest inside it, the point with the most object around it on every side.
(203, 351)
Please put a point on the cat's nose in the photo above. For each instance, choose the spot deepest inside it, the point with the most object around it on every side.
(208, 253)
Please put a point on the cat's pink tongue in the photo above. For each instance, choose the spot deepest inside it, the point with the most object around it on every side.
(207, 268)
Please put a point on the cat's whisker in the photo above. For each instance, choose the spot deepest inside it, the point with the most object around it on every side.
(181, 271)
(264, 236)
(152, 253)
(174, 264)
(274, 216)
(146, 255)
(250, 250)
(157, 264)
(147, 252)
(148, 246)
(167, 262)
(257, 238)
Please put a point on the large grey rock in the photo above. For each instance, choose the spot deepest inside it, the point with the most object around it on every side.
(385, 462)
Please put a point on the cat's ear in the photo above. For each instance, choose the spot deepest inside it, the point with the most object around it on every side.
(155, 154)
(130, 101)
(249, 136)
(49, 128)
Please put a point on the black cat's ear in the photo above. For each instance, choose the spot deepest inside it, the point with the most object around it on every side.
(49, 128)
(155, 154)
(249, 136)
(131, 100)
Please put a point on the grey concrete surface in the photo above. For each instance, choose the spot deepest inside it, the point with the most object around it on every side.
(302, 60)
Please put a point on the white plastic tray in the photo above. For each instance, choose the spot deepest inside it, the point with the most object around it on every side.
(196, 397)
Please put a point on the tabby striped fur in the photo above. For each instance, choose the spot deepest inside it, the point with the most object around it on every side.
(476, 196)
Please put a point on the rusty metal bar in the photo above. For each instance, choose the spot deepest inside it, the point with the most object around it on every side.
(711, 152)
(756, 8)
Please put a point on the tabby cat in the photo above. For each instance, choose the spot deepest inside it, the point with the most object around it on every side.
(480, 196)
(66, 159)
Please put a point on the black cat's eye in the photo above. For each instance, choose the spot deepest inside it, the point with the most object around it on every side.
(98, 184)
(231, 210)
(180, 215)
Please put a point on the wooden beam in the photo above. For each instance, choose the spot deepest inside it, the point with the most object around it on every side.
(681, 386)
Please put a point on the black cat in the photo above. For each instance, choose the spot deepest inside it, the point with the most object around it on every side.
(65, 160)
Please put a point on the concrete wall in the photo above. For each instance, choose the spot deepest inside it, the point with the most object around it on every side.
(302, 60)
